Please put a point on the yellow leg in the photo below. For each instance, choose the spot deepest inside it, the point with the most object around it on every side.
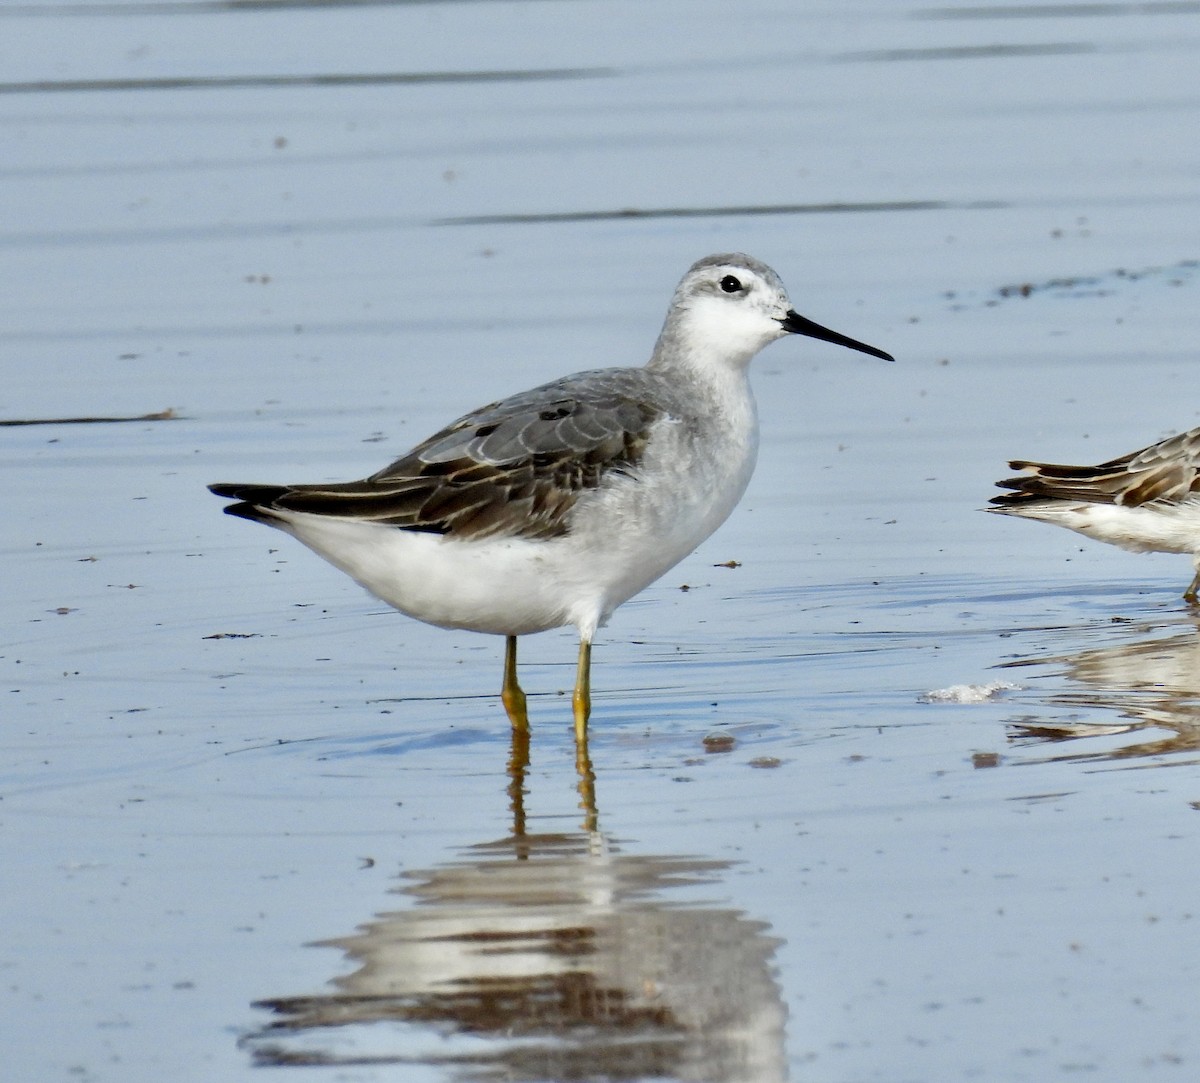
(581, 701)
(510, 693)
(1189, 595)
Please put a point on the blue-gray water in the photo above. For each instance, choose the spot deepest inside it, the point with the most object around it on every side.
(316, 231)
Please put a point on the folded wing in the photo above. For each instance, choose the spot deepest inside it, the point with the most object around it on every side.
(512, 468)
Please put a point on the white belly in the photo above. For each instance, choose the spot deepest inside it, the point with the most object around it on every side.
(1146, 528)
(623, 537)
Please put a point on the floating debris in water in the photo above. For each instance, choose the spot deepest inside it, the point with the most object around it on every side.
(766, 762)
(1085, 285)
(969, 693)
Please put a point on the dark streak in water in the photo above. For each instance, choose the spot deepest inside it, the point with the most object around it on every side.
(209, 7)
(227, 82)
(202, 7)
(715, 212)
(1061, 11)
(242, 230)
(969, 52)
(162, 415)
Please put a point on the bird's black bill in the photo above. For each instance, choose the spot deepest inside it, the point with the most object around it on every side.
(801, 325)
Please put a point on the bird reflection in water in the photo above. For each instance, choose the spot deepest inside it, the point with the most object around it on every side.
(1152, 682)
(545, 956)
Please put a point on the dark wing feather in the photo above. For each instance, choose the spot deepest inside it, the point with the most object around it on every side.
(1166, 472)
(514, 467)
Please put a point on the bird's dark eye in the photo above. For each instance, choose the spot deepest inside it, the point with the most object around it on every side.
(731, 285)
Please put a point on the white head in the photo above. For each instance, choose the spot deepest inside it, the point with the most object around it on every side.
(726, 309)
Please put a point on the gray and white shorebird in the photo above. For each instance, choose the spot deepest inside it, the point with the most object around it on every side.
(554, 506)
(1147, 501)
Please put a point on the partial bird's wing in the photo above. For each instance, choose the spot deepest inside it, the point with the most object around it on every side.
(512, 468)
(1167, 472)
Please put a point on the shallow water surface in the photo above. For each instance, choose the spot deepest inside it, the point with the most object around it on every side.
(880, 788)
